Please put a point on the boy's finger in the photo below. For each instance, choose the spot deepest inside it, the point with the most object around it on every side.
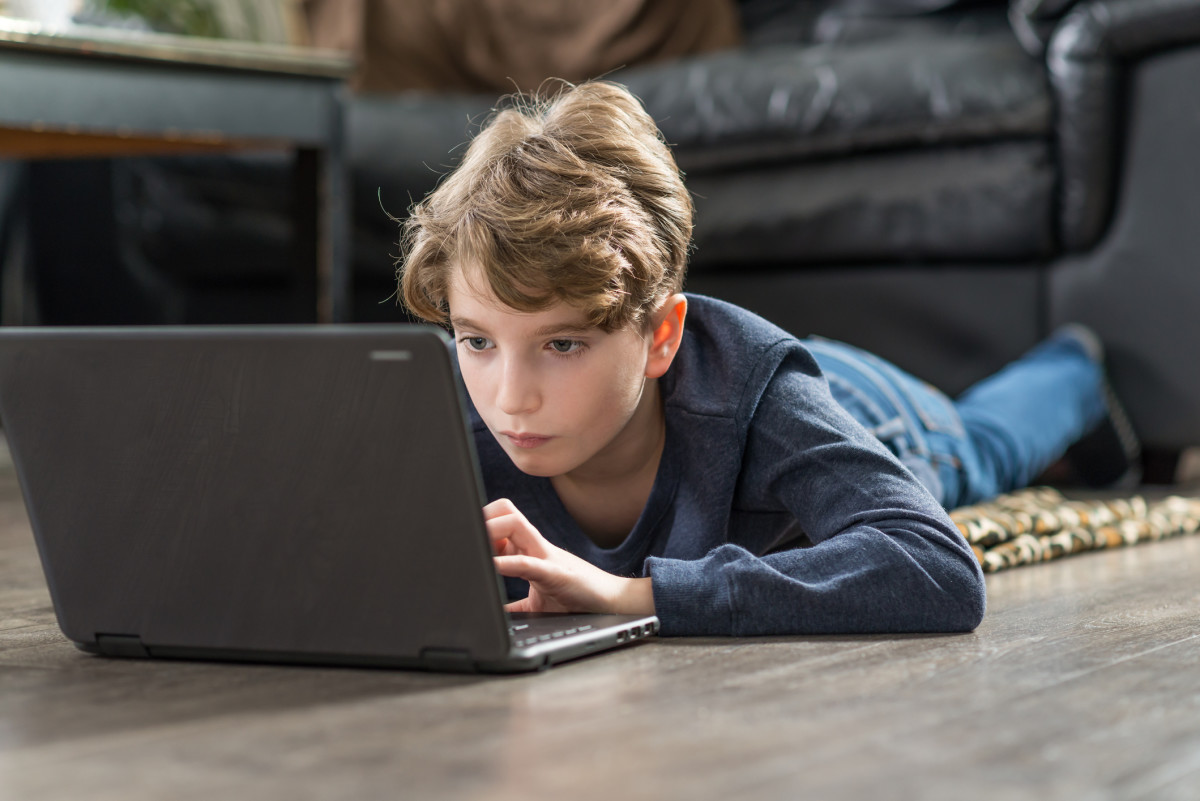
(503, 515)
(516, 529)
(504, 528)
(523, 605)
(522, 567)
(498, 527)
(499, 508)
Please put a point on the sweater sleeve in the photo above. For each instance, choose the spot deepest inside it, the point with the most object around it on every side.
(885, 556)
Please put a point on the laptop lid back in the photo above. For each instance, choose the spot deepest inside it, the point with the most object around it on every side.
(305, 491)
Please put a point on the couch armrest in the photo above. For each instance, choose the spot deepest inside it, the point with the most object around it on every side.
(1033, 21)
(1090, 47)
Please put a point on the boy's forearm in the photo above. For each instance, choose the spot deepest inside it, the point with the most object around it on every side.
(915, 579)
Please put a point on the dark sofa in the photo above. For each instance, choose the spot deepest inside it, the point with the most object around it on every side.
(941, 181)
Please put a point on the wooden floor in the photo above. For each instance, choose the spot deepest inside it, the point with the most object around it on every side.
(1082, 683)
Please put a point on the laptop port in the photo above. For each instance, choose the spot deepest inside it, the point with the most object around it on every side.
(636, 632)
(622, 636)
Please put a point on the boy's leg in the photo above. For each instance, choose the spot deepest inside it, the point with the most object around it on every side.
(1025, 417)
(1001, 433)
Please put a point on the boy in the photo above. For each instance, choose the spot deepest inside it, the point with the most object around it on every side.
(650, 451)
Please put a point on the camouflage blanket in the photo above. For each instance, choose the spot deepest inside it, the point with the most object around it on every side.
(1040, 524)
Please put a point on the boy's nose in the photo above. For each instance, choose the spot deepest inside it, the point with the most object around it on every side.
(517, 392)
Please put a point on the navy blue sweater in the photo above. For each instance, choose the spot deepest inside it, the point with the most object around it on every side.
(773, 511)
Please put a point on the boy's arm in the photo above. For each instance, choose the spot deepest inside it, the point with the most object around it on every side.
(886, 557)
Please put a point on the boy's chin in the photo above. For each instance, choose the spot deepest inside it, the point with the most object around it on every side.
(538, 465)
(538, 468)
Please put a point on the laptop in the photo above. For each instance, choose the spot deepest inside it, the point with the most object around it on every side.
(300, 494)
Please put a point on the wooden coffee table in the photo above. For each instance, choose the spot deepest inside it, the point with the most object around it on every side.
(95, 92)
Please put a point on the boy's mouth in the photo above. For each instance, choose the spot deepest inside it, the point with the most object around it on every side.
(525, 440)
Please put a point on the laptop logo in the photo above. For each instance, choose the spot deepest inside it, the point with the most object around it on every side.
(391, 355)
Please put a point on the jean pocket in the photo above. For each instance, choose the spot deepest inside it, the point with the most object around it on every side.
(935, 410)
(862, 407)
(917, 401)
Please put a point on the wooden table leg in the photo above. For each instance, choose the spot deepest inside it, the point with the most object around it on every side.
(321, 236)
(306, 248)
(325, 172)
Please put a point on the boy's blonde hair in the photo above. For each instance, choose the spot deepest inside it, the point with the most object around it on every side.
(574, 198)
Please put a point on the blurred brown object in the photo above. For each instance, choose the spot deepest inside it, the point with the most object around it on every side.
(503, 45)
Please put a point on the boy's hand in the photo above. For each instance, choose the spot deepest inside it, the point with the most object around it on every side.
(558, 580)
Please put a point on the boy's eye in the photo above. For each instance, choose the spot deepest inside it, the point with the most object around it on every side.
(564, 345)
(475, 343)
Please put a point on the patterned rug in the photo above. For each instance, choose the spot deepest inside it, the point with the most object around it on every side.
(1040, 524)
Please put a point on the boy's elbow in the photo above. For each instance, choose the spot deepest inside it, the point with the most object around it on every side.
(945, 596)
(973, 606)
(967, 589)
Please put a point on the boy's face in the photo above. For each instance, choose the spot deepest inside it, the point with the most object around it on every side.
(556, 393)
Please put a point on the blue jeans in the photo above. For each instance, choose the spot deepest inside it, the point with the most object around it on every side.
(996, 437)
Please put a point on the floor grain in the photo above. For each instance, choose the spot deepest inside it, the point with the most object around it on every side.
(1082, 683)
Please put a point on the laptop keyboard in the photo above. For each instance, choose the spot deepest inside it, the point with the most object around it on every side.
(525, 635)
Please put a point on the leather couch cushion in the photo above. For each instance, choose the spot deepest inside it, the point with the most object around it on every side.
(782, 103)
(979, 204)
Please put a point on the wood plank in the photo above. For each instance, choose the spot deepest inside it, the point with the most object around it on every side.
(40, 143)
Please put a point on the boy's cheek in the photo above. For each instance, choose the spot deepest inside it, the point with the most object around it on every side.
(473, 384)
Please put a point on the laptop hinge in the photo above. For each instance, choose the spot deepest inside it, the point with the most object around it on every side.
(451, 659)
(121, 645)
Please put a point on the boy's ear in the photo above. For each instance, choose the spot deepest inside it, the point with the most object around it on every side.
(667, 334)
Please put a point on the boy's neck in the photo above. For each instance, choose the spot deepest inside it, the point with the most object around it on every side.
(606, 496)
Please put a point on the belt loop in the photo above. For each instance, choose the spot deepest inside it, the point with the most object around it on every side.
(889, 430)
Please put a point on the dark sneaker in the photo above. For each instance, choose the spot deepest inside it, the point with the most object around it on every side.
(1110, 455)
